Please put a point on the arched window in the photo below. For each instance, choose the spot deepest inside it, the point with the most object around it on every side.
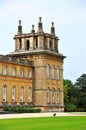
(20, 44)
(21, 94)
(53, 95)
(36, 42)
(48, 71)
(53, 72)
(29, 94)
(58, 95)
(28, 45)
(4, 93)
(48, 95)
(50, 45)
(58, 73)
(13, 93)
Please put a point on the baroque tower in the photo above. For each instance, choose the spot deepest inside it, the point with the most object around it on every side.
(42, 49)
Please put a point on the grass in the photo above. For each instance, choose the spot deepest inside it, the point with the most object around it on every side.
(45, 123)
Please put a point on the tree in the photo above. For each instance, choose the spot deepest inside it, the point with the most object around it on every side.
(70, 92)
(81, 85)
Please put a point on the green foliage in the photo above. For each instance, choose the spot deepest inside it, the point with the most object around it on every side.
(75, 93)
(22, 110)
(70, 92)
(81, 85)
(47, 123)
(70, 107)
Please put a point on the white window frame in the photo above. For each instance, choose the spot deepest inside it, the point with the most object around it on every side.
(29, 73)
(53, 95)
(21, 72)
(21, 94)
(58, 95)
(29, 94)
(48, 71)
(58, 73)
(13, 93)
(53, 72)
(4, 70)
(13, 71)
(48, 95)
(4, 93)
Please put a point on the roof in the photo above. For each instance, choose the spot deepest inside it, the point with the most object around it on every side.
(14, 60)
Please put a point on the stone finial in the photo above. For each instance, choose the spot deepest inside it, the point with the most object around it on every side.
(40, 29)
(52, 24)
(32, 29)
(52, 28)
(19, 28)
(40, 19)
(19, 22)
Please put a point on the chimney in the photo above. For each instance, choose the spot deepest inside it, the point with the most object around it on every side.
(40, 29)
(19, 28)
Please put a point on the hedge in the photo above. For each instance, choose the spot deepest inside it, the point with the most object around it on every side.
(22, 110)
(75, 109)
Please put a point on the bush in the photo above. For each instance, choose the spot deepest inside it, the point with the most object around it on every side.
(70, 107)
(80, 110)
(23, 110)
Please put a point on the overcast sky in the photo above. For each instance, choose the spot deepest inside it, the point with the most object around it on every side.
(69, 17)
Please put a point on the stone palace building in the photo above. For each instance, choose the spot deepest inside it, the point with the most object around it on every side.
(32, 75)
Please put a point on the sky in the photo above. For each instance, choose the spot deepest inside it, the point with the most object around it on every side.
(69, 17)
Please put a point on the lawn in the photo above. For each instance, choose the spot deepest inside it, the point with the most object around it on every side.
(45, 123)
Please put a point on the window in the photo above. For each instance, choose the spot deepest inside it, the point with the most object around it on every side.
(21, 94)
(36, 42)
(48, 71)
(53, 95)
(28, 45)
(29, 74)
(13, 71)
(50, 45)
(21, 72)
(13, 94)
(58, 73)
(4, 71)
(4, 93)
(29, 94)
(48, 95)
(20, 44)
(53, 69)
(58, 95)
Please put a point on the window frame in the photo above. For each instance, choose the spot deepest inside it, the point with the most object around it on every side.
(5, 93)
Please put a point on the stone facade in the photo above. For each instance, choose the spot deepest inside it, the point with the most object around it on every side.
(15, 82)
(41, 49)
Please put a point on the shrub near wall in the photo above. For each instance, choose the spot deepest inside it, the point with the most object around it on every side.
(23, 110)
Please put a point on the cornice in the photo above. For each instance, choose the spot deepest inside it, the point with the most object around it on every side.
(37, 52)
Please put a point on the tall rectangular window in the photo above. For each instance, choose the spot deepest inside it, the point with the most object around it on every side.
(58, 73)
(53, 72)
(48, 71)
(13, 94)
(13, 71)
(4, 70)
(48, 95)
(4, 93)
(21, 72)
(29, 94)
(29, 74)
(21, 94)
(58, 95)
(53, 95)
